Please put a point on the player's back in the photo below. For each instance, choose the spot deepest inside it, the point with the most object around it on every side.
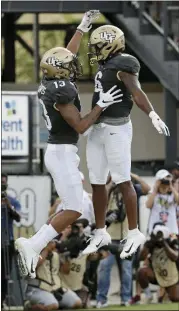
(106, 78)
(61, 91)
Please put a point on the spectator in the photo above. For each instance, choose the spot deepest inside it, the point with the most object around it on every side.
(176, 187)
(163, 201)
(162, 269)
(176, 184)
(73, 270)
(9, 212)
(46, 292)
(117, 221)
(174, 169)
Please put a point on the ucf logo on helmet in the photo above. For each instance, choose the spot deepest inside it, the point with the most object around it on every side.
(107, 36)
(53, 61)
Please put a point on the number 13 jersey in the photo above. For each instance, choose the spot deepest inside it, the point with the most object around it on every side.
(60, 91)
(106, 78)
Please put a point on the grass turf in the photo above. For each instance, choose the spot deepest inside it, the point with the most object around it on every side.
(151, 307)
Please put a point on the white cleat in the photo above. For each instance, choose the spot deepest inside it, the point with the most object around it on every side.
(133, 241)
(97, 241)
(27, 258)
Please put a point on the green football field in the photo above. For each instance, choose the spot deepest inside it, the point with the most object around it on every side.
(164, 306)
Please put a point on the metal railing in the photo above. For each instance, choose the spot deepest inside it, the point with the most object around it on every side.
(169, 44)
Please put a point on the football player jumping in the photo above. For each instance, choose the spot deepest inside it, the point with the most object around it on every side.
(109, 139)
(61, 110)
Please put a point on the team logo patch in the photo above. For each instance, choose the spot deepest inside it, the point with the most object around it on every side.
(54, 62)
(107, 36)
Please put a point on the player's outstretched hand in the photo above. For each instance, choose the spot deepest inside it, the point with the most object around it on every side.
(159, 124)
(112, 96)
(88, 19)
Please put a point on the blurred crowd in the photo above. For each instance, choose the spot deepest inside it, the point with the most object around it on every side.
(65, 279)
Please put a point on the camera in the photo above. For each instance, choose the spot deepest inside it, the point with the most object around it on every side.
(73, 245)
(159, 235)
(165, 182)
(160, 232)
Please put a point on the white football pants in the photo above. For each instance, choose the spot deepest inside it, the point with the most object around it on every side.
(62, 163)
(109, 150)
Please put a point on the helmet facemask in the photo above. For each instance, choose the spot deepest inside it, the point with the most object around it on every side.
(95, 54)
(76, 69)
(101, 52)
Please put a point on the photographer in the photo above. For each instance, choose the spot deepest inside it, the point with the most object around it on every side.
(163, 202)
(9, 208)
(118, 227)
(73, 270)
(46, 291)
(162, 251)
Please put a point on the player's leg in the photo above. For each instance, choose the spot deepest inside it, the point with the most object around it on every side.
(98, 172)
(118, 151)
(70, 300)
(173, 292)
(145, 276)
(62, 163)
(41, 299)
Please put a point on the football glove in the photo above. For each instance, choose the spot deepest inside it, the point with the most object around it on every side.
(159, 124)
(112, 96)
(87, 20)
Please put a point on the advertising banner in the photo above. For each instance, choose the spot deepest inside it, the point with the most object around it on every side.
(15, 125)
(34, 195)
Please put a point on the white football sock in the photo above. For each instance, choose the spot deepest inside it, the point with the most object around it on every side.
(101, 230)
(133, 231)
(38, 233)
(40, 240)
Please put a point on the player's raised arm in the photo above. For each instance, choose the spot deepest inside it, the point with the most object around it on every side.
(72, 116)
(84, 27)
(133, 85)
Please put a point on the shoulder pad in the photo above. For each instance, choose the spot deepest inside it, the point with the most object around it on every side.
(64, 91)
(124, 62)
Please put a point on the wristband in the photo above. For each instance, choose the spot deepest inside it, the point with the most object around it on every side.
(153, 114)
(80, 31)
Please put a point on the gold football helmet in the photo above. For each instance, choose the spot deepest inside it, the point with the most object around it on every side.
(60, 63)
(104, 41)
